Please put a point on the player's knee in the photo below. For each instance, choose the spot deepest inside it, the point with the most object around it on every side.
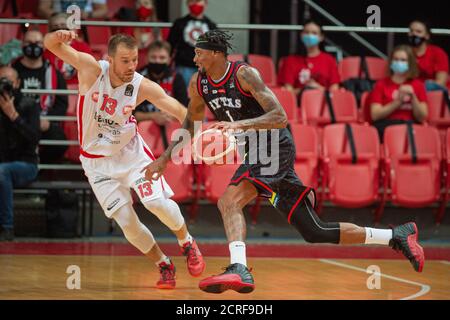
(167, 211)
(322, 233)
(313, 229)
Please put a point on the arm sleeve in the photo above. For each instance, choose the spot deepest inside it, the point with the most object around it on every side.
(28, 123)
(180, 90)
(61, 101)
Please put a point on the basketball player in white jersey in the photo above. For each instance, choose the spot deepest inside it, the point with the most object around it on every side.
(113, 153)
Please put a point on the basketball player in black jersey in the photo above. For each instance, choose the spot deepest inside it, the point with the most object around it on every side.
(240, 100)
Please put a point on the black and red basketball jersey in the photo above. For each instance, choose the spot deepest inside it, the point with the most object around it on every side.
(226, 99)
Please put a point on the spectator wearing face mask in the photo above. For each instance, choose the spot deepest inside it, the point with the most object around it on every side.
(58, 21)
(145, 11)
(184, 34)
(19, 137)
(158, 70)
(401, 97)
(312, 69)
(38, 73)
(431, 59)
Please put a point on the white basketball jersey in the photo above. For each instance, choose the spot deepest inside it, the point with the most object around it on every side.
(105, 120)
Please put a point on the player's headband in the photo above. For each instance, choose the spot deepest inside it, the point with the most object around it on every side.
(204, 44)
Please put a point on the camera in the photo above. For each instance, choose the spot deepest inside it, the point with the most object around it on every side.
(6, 86)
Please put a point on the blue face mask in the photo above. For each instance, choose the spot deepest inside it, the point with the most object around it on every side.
(399, 66)
(310, 40)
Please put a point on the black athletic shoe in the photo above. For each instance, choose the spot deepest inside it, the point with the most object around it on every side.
(236, 277)
(404, 239)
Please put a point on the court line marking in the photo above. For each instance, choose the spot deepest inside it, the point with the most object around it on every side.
(446, 262)
(424, 288)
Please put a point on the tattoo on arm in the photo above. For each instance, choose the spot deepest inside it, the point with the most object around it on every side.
(195, 112)
(275, 116)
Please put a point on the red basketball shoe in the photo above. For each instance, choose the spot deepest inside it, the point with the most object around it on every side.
(194, 258)
(404, 239)
(236, 277)
(167, 279)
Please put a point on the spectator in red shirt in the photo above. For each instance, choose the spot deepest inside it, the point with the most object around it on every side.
(432, 60)
(401, 97)
(58, 21)
(145, 11)
(313, 70)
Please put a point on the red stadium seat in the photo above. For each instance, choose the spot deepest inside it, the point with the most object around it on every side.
(216, 179)
(8, 32)
(180, 177)
(364, 108)
(349, 67)
(27, 8)
(413, 184)
(351, 184)
(151, 133)
(306, 139)
(288, 101)
(98, 39)
(264, 64)
(377, 67)
(315, 111)
(438, 111)
(446, 195)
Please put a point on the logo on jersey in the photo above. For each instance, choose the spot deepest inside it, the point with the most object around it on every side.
(218, 91)
(129, 90)
(94, 96)
(113, 204)
(220, 102)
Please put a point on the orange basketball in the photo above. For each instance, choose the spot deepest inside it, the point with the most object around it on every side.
(214, 147)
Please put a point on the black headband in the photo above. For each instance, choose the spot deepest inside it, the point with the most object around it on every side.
(202, 44)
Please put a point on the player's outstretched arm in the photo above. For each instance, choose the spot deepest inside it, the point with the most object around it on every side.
(56, 42)
(152, 92)
(195, 112)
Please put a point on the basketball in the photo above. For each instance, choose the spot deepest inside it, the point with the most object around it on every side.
(214, 147)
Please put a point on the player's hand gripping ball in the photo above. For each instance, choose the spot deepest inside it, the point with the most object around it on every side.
(214, 147)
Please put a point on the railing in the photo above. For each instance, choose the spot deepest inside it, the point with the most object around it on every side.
(273, 28)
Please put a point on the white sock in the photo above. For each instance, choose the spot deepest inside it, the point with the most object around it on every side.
(185, 240)
(164, 259)
(378, 236)
(237, 252)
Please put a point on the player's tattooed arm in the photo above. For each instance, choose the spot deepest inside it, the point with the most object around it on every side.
(275, 116)
(195, 112)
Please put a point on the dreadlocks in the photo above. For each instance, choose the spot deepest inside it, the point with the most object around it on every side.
(217, 40)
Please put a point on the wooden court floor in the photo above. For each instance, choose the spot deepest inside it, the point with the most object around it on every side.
(134, 277)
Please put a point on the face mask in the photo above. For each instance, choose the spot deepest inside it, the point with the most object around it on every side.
(196, 9)
(157, 68)
(33, 51)
(144, 12)
(399, 66)
(416, 41)
(310, 40)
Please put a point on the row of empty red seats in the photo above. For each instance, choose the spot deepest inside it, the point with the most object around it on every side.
(377, 174)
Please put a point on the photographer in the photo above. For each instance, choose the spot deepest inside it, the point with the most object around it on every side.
(19, 137)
